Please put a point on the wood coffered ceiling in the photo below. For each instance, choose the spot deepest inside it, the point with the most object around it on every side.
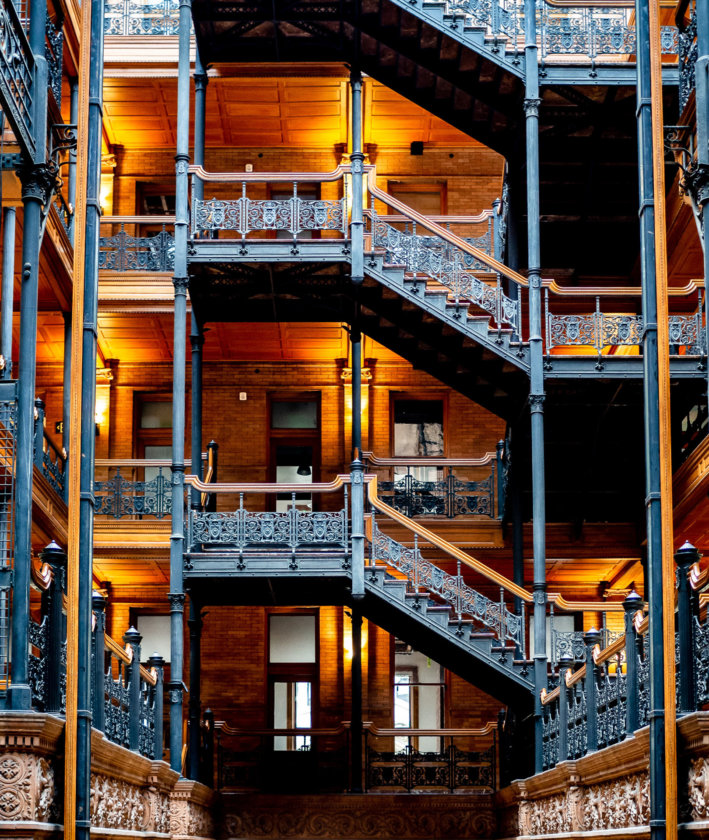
(268, 112)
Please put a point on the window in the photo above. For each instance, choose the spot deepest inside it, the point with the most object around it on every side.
(418, 427)
(292, 670)
(427, 199)
(419, 689)
(153, 430)
(155, 630)
(295, 445)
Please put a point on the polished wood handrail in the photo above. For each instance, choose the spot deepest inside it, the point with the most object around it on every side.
(223, 726)
(442, 220)
(141, 462)
(126, 655)
(428, 461)
(137, 220)
(270, 177)
(367, 726)
(269, 487)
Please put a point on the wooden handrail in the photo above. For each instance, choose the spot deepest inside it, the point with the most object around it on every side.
(270, 177)
(137, 220)
(426, 461)
(269, 487)
(141, 462)
(224, 727)
(42, 573)
(126, 655)
(452, 220)
(444, 545)
(367, 725)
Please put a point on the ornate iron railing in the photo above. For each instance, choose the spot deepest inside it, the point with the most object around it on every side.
(293, 215)
(686, 19)
(48, 458)
(293, 528)
(54, 47)
(119, 496)
(65, 213)
(454, 490)
(126, 252)
(16, 76)
(8, 428)
(128, 17)
(580, 34)
(601, 330)
(441, 260)
(451, 767)
(426, 579)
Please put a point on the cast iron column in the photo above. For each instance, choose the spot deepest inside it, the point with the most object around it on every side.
(8, 289)
(536, 354)
(180, 280)
(195, 625)
(356, 725)
(38, 181)
(88, 424)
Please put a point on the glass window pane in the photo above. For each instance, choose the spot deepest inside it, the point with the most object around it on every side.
(158, 452)
(292, 638)
(155, 630)
(418, 427)
(156, 415)
(294, 415)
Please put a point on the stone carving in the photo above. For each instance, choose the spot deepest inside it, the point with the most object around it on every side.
(117, 804)
(360, 822)
(26, 788)
(619, 803)
(189, 818)
(698, 788)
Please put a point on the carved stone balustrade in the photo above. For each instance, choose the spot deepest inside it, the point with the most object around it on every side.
(131, 796)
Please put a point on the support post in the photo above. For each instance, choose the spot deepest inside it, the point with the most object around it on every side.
(66, 382)
(55, 557)
(158, 664)
(357, 467)
(195, 707)
(356, 725)
(685, 557)
(71, 177)
(132, 638)
(656, 411)
(591, 639)
(180, 281)
(536, 353)
(566, 664)
(98, 700)
(8, 290)
(631, 605)
(357, 171)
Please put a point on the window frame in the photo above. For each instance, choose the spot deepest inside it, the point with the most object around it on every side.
(417, 396)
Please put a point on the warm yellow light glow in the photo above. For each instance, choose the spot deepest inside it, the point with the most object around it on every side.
(347, 635)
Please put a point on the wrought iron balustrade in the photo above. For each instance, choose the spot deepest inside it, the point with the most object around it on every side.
(48, 458)
(54, 47)
(466, 766)
(294, 214)
(65, 213)
(433, 257)
(127, 699)
(8, 428)
(443, 486)
(16, 76)
(124, 251)
(686, 19)
(588, 34)
(425, 578)
(601, 330)
(133, 17)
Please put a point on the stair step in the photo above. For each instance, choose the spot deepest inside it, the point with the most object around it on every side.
(397, 588)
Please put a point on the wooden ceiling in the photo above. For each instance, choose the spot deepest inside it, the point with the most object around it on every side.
(268, 112)
(147, 338)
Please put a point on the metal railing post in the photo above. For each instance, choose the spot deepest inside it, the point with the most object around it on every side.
(499, 478)
(157, 663)
(98, 699)
(133, 638)
(631, 605)
(53, 602)
(566, 664)
(684, 558)
(38, 433)
(591, 639)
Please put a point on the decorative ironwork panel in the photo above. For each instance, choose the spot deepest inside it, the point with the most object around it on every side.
(448, 265)
(611, 704)
(123, 252)
(567, 643)
(292, 528)
(38, 663)
(146, 720)
(701, 661)
(687, 331)
(451, 588)
(571, 330)
(621, 330)
(128, 17)
(117, 704)
(16, 74)
(8, 430)
(53, 466)
(53, 50)
(118, 496)
(687, 51)
(577, 733)
(245, 215)
(65, 213)
(643, 672)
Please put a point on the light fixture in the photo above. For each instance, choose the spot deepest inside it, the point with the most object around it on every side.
(304, 469)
